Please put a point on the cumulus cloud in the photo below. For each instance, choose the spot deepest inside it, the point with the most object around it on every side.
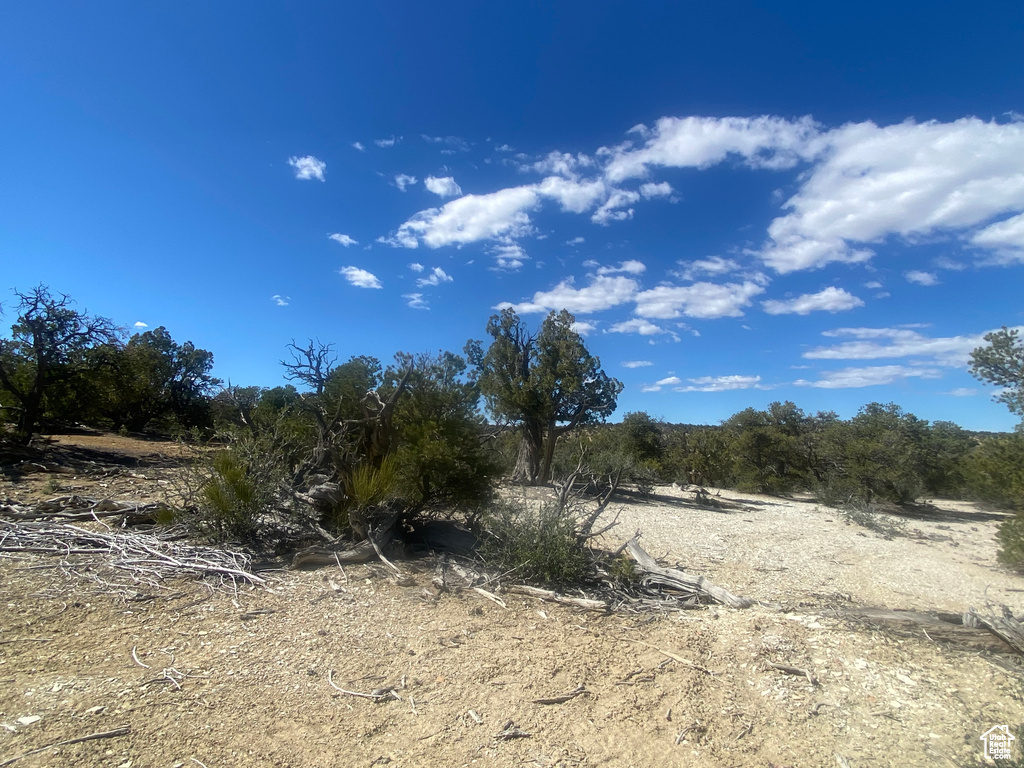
(436, 277)
(343, 239)
(416, 267)
(849, 378)
(602, 293)
(308, 167)
(713, 266)
(360, 278)
(637, 364)
(910, 180)
(508, 257)
(576, 241)
(469, 219)
(703, 300)
(615, 207)
(722, 384)
(1005, 238)
(700, 142)
(651, 190)
(573, 196)
(444, 186)
(358, 145)
(140, 324)
(922, 278)
(631, 267)
(562, 164)
(584, 328)
(829, 300)
(642, 327)
(416, 300)
(386, 143)
(281, 301)
(403, 180)
(880, 343)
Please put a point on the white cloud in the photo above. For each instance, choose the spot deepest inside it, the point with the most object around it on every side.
(576, 241)
(912, 180)
(444, 186)
(562, 163)
(961, 392)
(715, 265)
(437, 276)
(849, 378)
(1005, 238)
(584, 328)
(385, 143)
(631, 267)
(504, 148)
(358, 145)
(944, 262)
(651, 190)
(829, 300)
(416, 300)
(722, 384)
(281, 301)
(573, 196)
(416, 267)
(308, 167)
(469, 219)
(343, 239)
(880, 343)
(670, 381)
(602, 293)
(642, 327)
(403, 180)
(637, 364)
(703, 300)
(700, 142)
(140, 324)
(614, 208)
(874, 285)
(922, 278)
(360, 277)
(452, 141)
(509, 257)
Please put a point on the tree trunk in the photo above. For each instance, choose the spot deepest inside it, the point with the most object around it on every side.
(549, 454)
(527, 470)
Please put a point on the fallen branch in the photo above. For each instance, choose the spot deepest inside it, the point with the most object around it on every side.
(547, 594)
(122, 731)
(675, 657)
(562, 698)
(490, 596)
(795, 671)
(680, 580)
(145, 557)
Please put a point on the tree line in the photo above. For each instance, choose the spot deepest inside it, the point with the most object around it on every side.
(430, 430)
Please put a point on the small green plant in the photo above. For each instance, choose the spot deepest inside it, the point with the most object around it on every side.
(54, 484)
(869, 516)
(1011, 540)
(370, 486)
(622, 570)
(230, 498)
(541, 544)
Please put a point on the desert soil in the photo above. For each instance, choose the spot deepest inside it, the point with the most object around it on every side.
(241, 676)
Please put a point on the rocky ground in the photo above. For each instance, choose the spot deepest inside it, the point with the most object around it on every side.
(213, 674)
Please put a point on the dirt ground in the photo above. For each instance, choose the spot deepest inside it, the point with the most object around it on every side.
(243, 676)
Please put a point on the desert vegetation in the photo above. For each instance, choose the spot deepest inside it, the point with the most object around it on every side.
(357, 449)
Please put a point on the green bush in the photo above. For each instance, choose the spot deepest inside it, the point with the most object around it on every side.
(539, 544)
(230, 498)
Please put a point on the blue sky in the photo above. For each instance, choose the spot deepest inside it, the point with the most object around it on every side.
(740, 204)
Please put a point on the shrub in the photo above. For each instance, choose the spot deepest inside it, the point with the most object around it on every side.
(230, 499)
(539, 544)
